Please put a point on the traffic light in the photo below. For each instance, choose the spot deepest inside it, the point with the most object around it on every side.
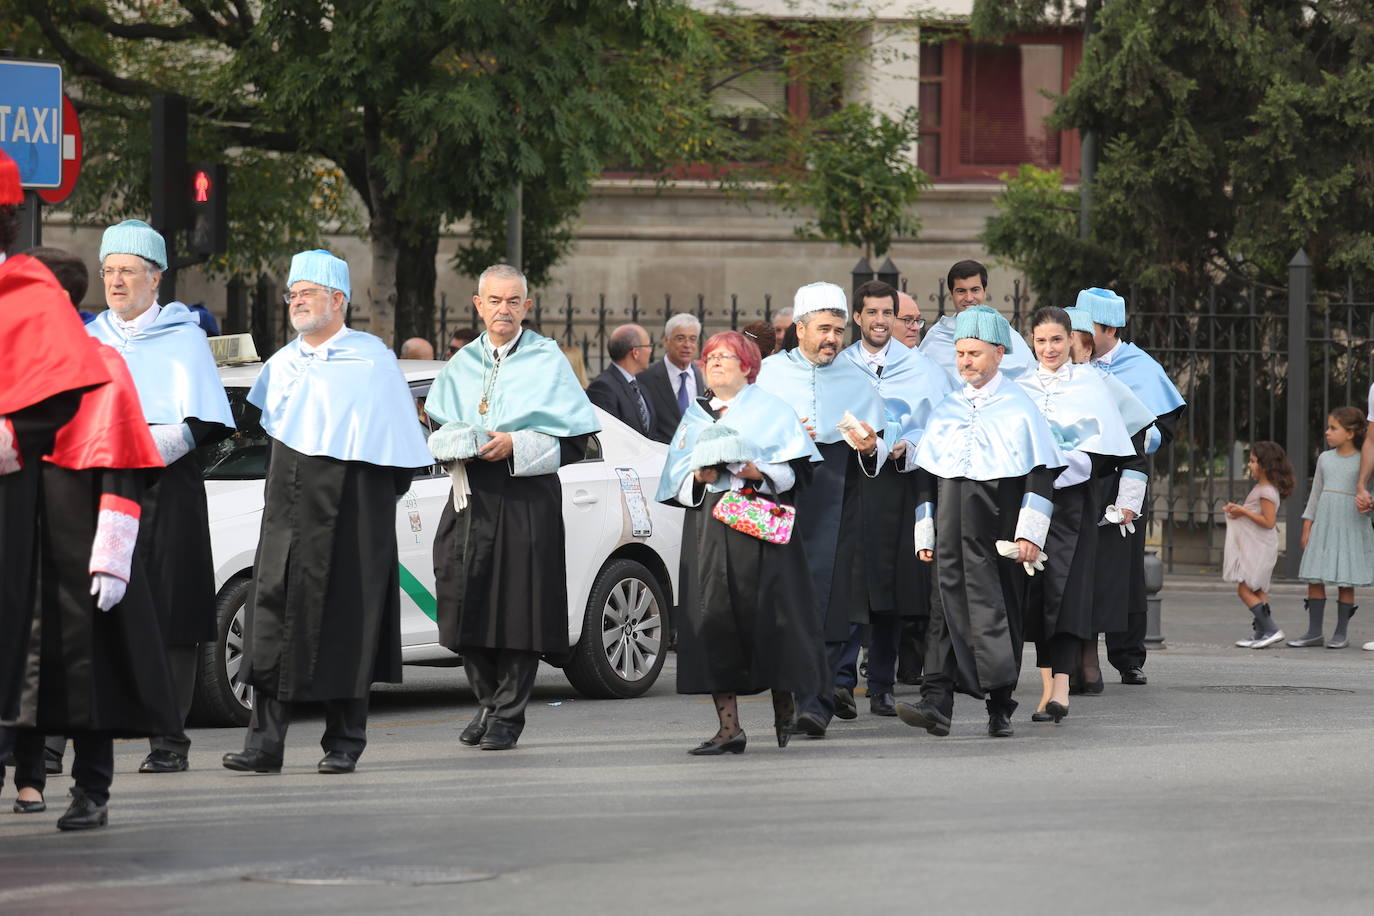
(208, 223)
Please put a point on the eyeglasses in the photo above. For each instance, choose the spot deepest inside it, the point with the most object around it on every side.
(918, 323)
(309, 291)
(716, 359)
(643, 346)
(123, 273)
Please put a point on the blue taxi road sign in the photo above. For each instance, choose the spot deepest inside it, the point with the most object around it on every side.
(31, 120)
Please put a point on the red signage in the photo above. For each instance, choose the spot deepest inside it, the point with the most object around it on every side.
(71, 156)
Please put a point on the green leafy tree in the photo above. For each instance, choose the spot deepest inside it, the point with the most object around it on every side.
(1232, 133)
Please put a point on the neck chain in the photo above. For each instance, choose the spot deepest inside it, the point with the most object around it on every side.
(488, 381)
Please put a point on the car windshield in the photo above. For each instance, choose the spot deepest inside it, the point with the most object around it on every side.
(243, 456)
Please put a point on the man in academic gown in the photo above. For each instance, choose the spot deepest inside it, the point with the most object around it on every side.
(889, 589)
(513, 414)
(968, 286)
(987, 466)
(1148, 381)
(324, 615)
(185, 407)
(821, 388)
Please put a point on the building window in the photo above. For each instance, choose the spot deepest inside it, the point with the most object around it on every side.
(983, 106)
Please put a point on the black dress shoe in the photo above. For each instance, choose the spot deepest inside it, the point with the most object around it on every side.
(83, 814)
(999, 725)
(845, 707)
(336, 762)
(1056, 711)
(30, 807)
(498, 737)
(882, 704)
(164, 762)
(472, 735)
(1041, 716)
(251, 761)
(714, 748)
(1134, 676)
(924, 715)
(810, 725)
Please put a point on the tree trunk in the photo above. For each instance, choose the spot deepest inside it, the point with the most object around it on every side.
(416, 277)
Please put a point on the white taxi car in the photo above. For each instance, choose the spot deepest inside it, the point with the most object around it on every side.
(622, 556)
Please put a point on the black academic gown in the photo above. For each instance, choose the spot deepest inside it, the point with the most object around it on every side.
(174, 544)
(1119, 562)
(884, 579)
(1059, 598)
(830, 525)
(88, 670)
(981, 609)
(748, 620)
(324, 620)
(34, 429)
(499, 565)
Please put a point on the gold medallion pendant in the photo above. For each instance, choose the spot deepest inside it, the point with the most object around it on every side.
(482, 407)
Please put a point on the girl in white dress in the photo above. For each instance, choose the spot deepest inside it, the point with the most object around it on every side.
(1252, 543)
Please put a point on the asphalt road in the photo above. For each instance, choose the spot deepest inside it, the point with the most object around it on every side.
(1236, 782)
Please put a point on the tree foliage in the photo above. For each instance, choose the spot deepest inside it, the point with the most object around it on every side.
(1232, 133)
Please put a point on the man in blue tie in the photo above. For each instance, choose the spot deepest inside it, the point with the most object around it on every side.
(672, 383)
(615, 390)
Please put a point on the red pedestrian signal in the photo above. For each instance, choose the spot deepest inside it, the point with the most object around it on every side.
(202, 186)
(208, 226)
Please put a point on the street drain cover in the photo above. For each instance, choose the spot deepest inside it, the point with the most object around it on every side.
(1271, 689)
(367, 875)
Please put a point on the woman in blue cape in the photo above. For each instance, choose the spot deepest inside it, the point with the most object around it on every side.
(748, 611)
(1094, 438)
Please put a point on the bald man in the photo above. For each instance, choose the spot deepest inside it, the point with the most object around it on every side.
(909, 322)
(615, 390)
(417, 348)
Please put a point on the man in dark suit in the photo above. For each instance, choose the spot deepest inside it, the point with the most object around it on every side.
(616, 391)
(673, 382)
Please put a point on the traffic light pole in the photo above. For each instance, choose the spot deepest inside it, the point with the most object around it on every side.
(30, 221)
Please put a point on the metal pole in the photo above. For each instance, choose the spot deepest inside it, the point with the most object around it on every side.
(30, 222)
(514, 223)
(1299, 299)
(1087, 168)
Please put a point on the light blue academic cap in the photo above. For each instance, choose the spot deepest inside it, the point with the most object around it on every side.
(1105, 306)
(1082, 319)
(134, 236)
(320, 266)
(985, 323)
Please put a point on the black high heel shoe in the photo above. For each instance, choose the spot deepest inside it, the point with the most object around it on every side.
(785, 724)
(1055, 711)
(711, 748)
(1041, 715)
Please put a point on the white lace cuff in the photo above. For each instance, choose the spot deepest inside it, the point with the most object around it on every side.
(1033, 522)
(1130, 492)
(116, 534)
(925, 527)
(533, 453)
(173, 440)
(9, 448)
(686, 494)
(778, 476)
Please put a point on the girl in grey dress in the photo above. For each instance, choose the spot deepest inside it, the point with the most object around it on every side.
(1337, 541)
(1252, 543)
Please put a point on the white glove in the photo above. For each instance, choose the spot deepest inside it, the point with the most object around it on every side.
(108, 590)
(9, 449)
(458, 473)
(1011, 551)
(1114, 516)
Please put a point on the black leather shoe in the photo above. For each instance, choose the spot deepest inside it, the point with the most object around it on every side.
(882, 704)
(498, 737)
(999, 725)
(472, 735)
(1041, 717)
(1056, 711)
(810, 725)
(845, 707)
(251, 761)
(713, 748)
(337, 762)
(1134, 676)
(30, 807)
(924, 715)
(83, 814)
(164, 762)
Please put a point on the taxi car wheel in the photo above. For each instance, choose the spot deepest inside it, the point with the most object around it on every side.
(624, 634)
(221, 699)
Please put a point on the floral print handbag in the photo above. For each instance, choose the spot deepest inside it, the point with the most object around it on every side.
(755, 516)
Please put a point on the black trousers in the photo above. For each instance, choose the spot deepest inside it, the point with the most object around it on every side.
(345, 725)
(911, 655)
(842, 660)
(1127, 650)
(938, 686)
(884, 639)
(1062, 653)
(183, 662)
(503, 680)
(30, 771)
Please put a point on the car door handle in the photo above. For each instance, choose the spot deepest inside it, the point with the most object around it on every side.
(583, 498)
